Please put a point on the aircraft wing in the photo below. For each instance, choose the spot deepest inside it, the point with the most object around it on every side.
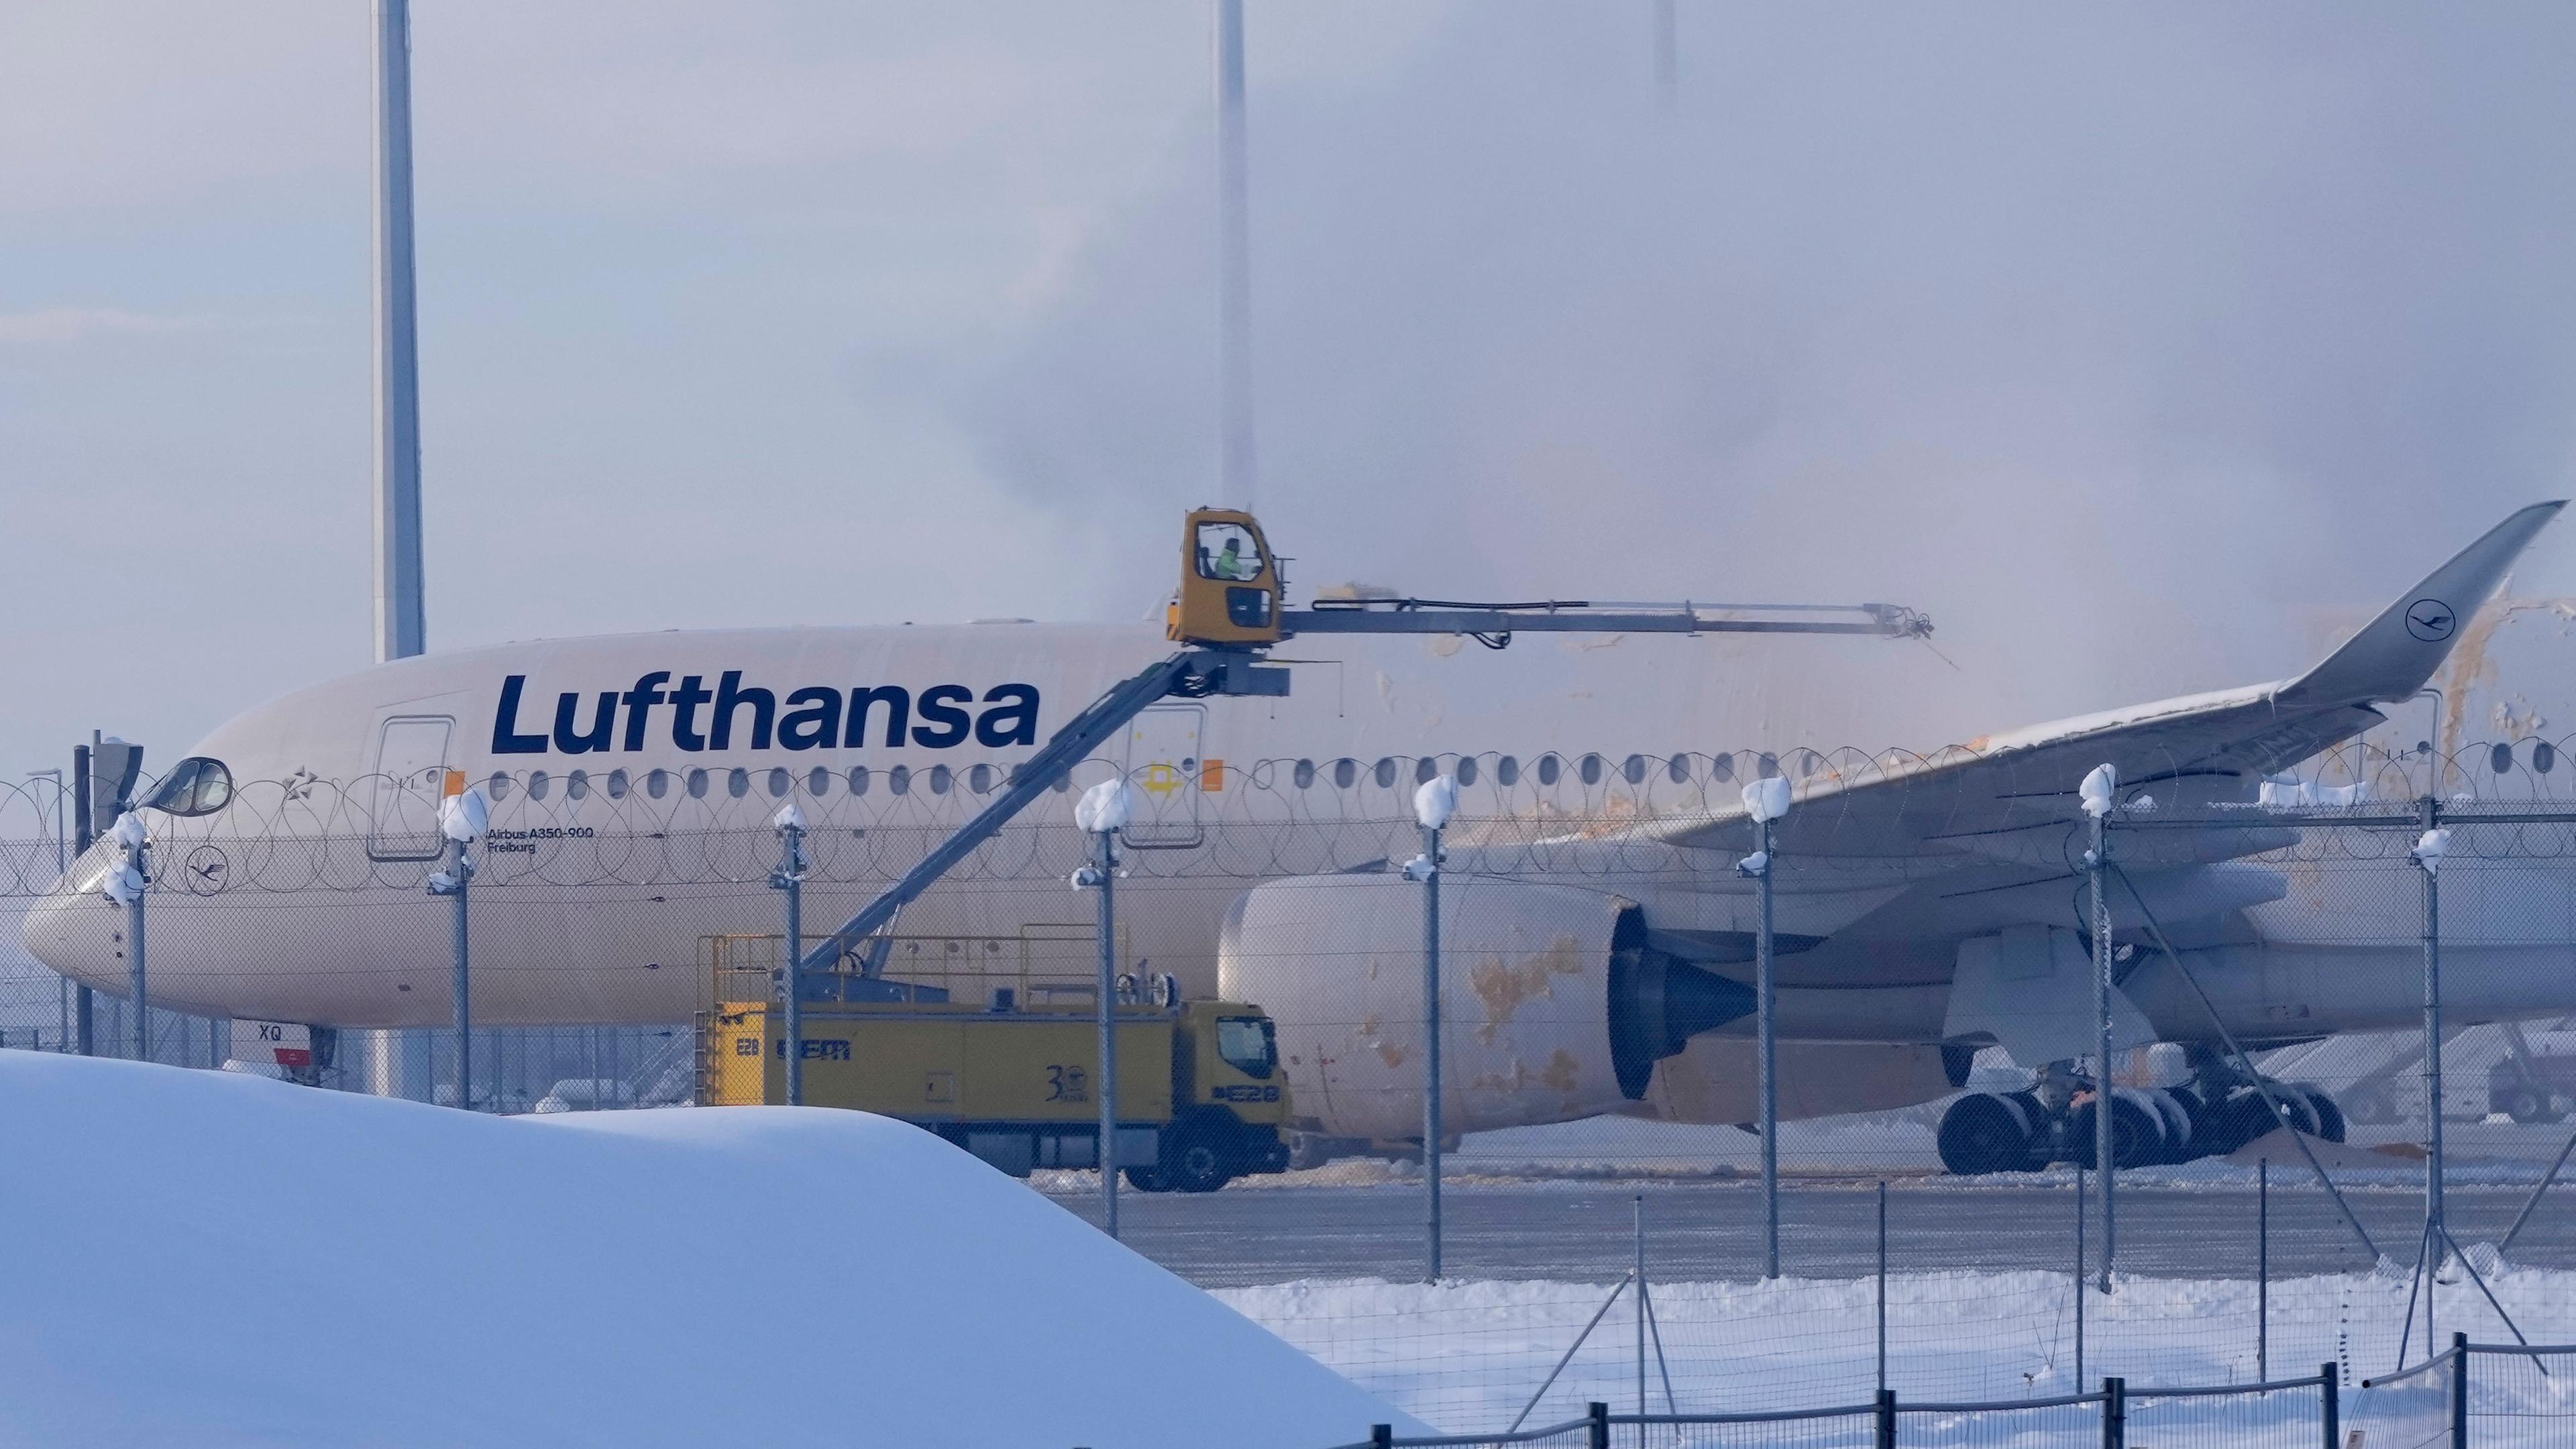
(2012, 797)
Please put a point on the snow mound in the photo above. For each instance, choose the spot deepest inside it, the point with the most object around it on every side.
(215, 1259)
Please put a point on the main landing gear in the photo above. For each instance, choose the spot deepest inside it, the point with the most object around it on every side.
(2215, 1113)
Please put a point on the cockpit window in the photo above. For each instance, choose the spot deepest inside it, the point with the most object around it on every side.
(1247, 1044)
(196, 785)
(1226, 551)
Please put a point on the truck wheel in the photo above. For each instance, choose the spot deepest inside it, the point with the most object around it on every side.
(1143, 1179)
(2527, 1106)
(1196, 1159)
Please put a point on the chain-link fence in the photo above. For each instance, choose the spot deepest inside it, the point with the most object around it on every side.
(1600, 947)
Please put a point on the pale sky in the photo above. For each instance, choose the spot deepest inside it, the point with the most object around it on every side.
(2123, 339)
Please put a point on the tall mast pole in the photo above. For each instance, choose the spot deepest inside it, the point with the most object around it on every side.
(400, 628)
(1234, 264)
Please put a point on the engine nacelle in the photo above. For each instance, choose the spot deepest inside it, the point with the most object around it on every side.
(1553, 1006)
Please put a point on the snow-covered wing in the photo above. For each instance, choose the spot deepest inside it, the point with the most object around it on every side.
(2015, 796)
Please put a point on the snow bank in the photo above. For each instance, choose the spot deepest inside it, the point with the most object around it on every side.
(215, 1260)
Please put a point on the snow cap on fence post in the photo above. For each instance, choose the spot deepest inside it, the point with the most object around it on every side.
(1436, 801)
(2430, 849)
(789, 817)
(2097, 788)
(1104, 808)
(462, 818)
(129, 832)
(1767, 799)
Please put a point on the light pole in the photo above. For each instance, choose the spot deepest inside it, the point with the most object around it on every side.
(1101, 812)
(1766, 800)
(1433, 804)
(125, 886)
(2095, 794)
(789, 879)
(462, 818)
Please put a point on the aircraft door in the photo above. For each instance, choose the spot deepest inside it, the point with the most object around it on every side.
(1164, 764)
(406, 785)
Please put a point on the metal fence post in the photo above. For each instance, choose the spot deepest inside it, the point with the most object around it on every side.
(2329, 1410)
(1596, 1424)
(2427, 855)
(2115, 1413)
(84, 1002)
(1640, 1205)
(1767, 1006)
(1381, 1435)
(789, 880)
(2460, 1391)
(2263, 1270)
(1106, 862)
(1432, 806)
(1101, 812)
(129, 834)
(1884, 1419)
(2079, 1276)
(1882, 1285)
(2105, 1156)
(461, 818)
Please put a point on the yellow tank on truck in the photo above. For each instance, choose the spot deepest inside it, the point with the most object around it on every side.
(1201, 1098)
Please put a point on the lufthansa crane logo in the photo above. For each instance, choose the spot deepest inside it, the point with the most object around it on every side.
(2431, 620)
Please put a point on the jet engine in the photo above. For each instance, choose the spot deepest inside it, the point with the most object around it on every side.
(1553, 1006)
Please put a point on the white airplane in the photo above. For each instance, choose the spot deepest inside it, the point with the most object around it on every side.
(1599, 936)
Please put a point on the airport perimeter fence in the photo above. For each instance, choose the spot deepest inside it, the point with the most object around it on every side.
(2230, 1266)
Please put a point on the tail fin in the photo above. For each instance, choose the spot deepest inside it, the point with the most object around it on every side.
(2395, 653)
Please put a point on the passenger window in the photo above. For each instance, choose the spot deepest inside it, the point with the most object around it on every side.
(899, 780)
(697, 784)
(657, 783)
(1466, 769)
(1591, 769)
(737, 782)
(1508, 772)
(577, 785)
(1634, 769)
(1548, 769)
(1385, 773)
(778, 778)
(2500, 759)
(1424, 769)
(939, 778)
(1679, 773)
(1345, 773)
(1304, 774)
(858, 779)
(1226, 551)
(617, 784)
(195, 786)
(498, 787)
(818, 782)
(980, 779)
(1248, 1043)
(1722, 767)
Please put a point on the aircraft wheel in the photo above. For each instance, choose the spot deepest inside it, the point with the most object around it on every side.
(2528, 1106)
(1984, 1133)
(1143, 1179)
(2330, 1123)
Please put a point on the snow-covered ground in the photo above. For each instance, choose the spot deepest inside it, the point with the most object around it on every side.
(1466, 1356)
(216, 1260)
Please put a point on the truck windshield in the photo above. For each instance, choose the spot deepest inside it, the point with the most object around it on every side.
(1246, 1044)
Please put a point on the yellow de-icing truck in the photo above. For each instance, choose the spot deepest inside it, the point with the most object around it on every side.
(1201, 1099)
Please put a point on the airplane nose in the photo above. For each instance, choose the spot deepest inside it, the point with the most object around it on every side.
(77, 933)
